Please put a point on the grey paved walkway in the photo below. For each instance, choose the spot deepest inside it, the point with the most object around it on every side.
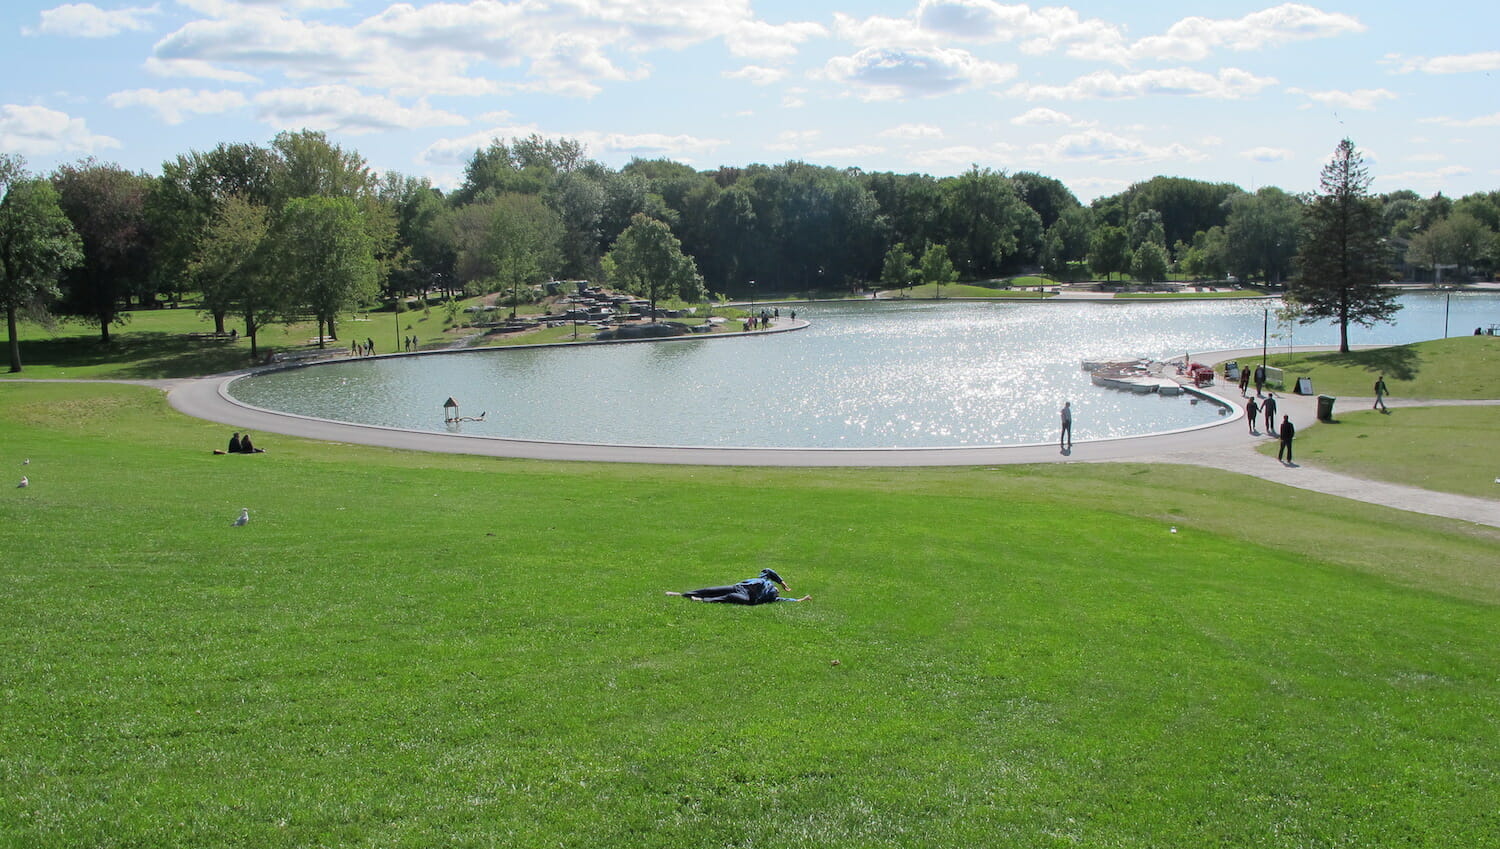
(1225, 445)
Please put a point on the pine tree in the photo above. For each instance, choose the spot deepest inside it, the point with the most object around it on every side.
(1342, 259)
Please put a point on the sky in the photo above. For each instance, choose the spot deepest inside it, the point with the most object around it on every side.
(1098, 95)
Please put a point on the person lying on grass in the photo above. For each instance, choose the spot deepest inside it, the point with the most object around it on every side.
(750, 591)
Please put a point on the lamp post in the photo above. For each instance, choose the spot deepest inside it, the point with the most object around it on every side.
(1265, 335)
(1447, 301)
(752, 297)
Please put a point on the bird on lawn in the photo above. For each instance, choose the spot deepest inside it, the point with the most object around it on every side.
(244, 517)
(25, 481)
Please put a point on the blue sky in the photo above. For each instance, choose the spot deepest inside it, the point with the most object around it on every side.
(1098, 95)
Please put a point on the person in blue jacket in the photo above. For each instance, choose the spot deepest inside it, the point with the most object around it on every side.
(760, 590)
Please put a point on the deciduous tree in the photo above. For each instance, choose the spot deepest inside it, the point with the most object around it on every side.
(37, 244)
(647, 260)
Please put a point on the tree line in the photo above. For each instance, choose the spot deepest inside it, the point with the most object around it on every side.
(302, 229)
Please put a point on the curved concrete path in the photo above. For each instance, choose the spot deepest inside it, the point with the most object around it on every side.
(1226, 445)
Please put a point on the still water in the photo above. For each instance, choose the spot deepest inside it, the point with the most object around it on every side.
(864, 375)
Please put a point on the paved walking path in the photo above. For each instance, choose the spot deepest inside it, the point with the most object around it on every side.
(1226, 444)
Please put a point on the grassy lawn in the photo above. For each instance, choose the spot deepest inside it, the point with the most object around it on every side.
(1458, 367)
(414, 650)
(1194, 296)
(962, 290)
(1448, 449)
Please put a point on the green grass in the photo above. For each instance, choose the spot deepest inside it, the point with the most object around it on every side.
(1448, 449)
(415, 650)
(1458, 367)
(962, 290)
(1195, 296)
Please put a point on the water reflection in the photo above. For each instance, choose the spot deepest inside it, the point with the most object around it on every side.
(865, 375)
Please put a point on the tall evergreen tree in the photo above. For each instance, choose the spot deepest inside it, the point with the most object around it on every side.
(1342, 259)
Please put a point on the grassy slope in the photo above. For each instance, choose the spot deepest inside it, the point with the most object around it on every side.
(1457, 367)
(411, 650)
(1448, 449)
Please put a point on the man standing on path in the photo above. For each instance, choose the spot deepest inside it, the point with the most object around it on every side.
(1287, 432)
(1380, 393)
(1067, 427)
(1251, 411)
(1244, 381)
(1260, 378)
(1268, 408)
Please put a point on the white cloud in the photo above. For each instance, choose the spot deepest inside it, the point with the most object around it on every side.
(1102, 146)
(1465, 63)
(1041, 116)
(790, 140)
(1267, 154)
(1227, 84)
(1364, 99)
(454, 152)
(173, 106)
(772, 42)
(1404, 179)
(564, 47)
(85, 20)
(39, 131)
(1194, 38)
(649, 145)
(1044, 29)
(346, 109)
(912, 131)
(957, 157)
(757, 75)
(851, 154)
(897, 74)
(1491, 120)
(195, 68)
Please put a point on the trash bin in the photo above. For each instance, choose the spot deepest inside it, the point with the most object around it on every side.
(1325, 408)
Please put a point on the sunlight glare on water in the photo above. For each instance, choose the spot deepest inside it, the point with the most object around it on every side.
(865, 375)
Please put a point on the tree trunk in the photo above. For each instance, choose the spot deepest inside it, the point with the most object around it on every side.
(15, 343)
(320, 331)
(218, 322)
(104, 331)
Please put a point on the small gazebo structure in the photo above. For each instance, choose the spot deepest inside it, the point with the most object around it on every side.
(450, 410)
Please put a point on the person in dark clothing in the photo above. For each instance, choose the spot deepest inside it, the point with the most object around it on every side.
(1287, 432)
(234, 444)
(759, 590)
(1252, 410)
(247, 448)
(1380, 393)
(1244, 381)
(1268, 409)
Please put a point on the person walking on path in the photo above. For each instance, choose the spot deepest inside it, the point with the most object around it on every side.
(1260, 378)
(758, 590)
(1067, 427)
(1287, 432)
(1268, 409)
(1380, 393)
(1251, 411)
(1244, 381)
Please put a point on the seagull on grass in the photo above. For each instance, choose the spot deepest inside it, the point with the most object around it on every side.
(244, 518)
(25, 481)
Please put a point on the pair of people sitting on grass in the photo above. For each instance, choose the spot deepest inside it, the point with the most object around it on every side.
(241, 445)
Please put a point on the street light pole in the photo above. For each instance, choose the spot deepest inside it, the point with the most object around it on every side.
(1265, 336)
(1447, 301)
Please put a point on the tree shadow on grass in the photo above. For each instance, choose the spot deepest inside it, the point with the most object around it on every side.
(141, 355)
(1400, 362)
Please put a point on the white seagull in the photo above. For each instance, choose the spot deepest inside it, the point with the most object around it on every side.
(244, 517)
(25, 481)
